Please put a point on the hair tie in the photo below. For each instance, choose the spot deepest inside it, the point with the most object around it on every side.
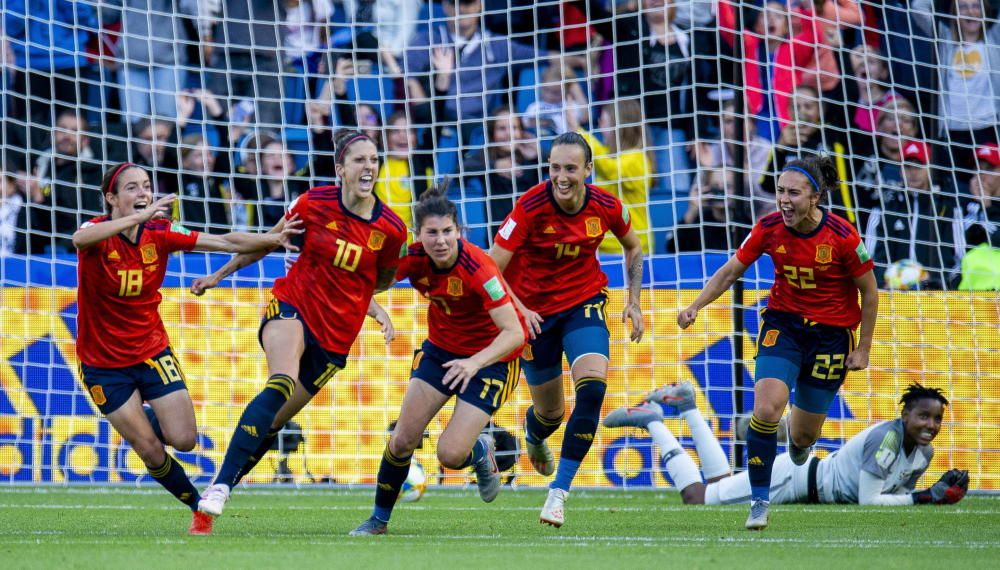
(339, 157)
(111, 185)
(804, 173)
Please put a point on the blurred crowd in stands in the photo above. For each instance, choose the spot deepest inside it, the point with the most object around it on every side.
(691, 107)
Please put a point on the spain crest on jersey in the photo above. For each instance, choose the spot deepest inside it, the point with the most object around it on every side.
(148, 253)
(376, 240)
(594, 228)
(824, 253)
(454, 286)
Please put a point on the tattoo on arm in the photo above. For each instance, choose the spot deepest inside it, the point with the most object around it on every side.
(635, 277)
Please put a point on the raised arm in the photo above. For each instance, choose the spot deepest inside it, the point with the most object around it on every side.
(716, 286)
(242, 242)
(93, 234)
(238, 262)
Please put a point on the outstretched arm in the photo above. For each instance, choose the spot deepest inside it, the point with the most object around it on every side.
(242, 242)
(238, 262)
(716, 286)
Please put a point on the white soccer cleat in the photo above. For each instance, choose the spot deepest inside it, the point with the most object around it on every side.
(541, 457)
(634, 416)
(553, 513)
(679, 396)
(214, 499)
(758, 518)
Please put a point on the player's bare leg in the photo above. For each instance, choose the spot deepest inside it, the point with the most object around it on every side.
(803, 431)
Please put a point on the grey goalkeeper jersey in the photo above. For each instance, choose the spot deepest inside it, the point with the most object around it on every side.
(879, 451)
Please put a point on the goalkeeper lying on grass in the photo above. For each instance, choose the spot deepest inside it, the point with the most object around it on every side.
(879, 466)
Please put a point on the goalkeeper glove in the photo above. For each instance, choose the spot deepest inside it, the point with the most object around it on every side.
(949, 489)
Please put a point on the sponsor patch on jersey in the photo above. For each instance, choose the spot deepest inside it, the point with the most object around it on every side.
(862, 253)
(376, 240)
(594, 228)
(179, 229)
(494, 289)
(824, 253)
(148, 253)
(887, 451)
(454, 286)
(508, 228)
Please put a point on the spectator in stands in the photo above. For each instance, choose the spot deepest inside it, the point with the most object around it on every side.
(621, 164)
(398, 173)
(269, 185)
(968, 53)
(822, 69)
(507, 168)
(201, 203)
(392, 22)
(712, 209)
(470, 66)
(655, 59)
(546, 117)
(769, 68)
(806, 134)
(63, 190)
(871, 76)
(917, 222)
(11, 204)
(984, 188)
(155, 148)
(249, 63)
(47, 38)
(896, 123)
(981, 264)
(153, 50)
(721, 154)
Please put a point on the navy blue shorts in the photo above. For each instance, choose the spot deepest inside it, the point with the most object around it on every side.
(317, 365)
(807, 356)
(109, 388)
(577, 331)
(487, 390)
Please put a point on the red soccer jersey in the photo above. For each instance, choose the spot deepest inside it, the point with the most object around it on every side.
(554, 266)
(118, 294)
(813, 273)
(334, 278)
(458, 317)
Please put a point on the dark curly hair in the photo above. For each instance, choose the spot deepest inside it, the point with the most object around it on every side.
(916, 391)
(434, 202)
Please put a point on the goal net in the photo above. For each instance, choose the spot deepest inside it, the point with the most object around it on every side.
(692, 109)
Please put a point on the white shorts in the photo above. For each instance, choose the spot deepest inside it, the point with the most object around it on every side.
(789, 484)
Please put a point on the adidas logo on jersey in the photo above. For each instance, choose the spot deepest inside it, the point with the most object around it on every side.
(252, 430)
(113, 256)
(424, 281)
(755, 461)
(549, 230)
(781, 249)
(332, 226)
(584, 436)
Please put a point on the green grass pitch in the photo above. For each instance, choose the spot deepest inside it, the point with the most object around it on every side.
(285, 528)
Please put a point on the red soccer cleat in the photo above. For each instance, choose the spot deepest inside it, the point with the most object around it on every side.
(201, 524)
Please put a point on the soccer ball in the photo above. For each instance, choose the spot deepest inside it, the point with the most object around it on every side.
(905, 274)
(415, 484)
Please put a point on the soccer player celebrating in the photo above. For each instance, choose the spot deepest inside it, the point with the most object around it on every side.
(123, 349)
(474, 339)
(546, 249)
(879, 466)
(351, 248)
(806, 340)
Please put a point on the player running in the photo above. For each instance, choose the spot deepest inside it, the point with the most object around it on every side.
(879, 466)
(351, 248)
(546, 249)
(123, 349)
(806, 339)
(474, 339)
